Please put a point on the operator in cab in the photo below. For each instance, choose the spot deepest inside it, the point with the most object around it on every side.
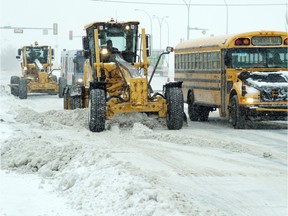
(110, 47)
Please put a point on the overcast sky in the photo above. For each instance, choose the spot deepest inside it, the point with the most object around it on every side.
(74, 14)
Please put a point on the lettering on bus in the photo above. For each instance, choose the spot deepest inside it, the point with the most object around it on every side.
(266, 40)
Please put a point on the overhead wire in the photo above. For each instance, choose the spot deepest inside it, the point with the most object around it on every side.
(192, 4)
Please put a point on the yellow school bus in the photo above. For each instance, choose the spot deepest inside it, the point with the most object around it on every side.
(244, 76)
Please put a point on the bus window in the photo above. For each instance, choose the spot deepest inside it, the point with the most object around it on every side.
(277, 57)
(192, 61)
(259, 57)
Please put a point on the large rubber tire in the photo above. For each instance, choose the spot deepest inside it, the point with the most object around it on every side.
(192, 109)
(23, 88)
(62, 84)
(15, 80)
(204, 113)
(97, 110)
(236, 117)
(175, 107)
(54, 78)
(76, 102)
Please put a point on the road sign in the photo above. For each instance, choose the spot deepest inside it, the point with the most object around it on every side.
(70, 35)
(18, 30)
(55, 29)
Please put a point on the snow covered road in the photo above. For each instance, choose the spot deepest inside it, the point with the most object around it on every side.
(207, 168)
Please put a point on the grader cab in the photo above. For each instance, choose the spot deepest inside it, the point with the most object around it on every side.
(37, 77)
(116, 77)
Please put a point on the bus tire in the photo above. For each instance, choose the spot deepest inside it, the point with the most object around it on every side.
(175, 109)
(192, 109)
(236, 117)
(23, 88)
(14, 80)
(62, 85)
(97, 110)
(204, 114)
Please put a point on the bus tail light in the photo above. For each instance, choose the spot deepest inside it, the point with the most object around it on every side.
(286, 41)
(242, 41)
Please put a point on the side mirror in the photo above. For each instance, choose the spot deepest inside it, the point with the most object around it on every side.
(148, 44)
(85, 43)
(18, 57)
(169, 49)
(86, 53)
(52, 51)
(19, 52)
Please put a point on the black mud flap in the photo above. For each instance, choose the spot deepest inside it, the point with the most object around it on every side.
(74, 97)
(169, 85)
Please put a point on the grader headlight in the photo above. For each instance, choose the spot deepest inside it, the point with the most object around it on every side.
(104, 51)
(79, 80)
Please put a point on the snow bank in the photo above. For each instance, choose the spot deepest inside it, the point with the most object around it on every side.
(138, 167)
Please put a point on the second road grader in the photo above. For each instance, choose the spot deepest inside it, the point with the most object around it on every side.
(37, 76)
(116, 77)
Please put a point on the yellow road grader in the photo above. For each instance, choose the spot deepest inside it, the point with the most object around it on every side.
(37, 77)
(116, 77)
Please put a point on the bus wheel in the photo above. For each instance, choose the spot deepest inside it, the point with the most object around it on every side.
(175, 108)
(192, 109)
(236, 117)
(23, 88)
(97, 110)
(204, 114)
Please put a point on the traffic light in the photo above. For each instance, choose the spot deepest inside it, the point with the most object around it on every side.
(70, 35)
(55, 29)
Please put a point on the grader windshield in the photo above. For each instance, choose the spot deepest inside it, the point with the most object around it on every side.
(114, 37)
(40, 53)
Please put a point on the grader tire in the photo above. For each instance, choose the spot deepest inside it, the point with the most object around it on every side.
(15, 89)
(54, 78)
(62, 85)
(97, 110)
(175, 109)
(76, 102)
(23, 88)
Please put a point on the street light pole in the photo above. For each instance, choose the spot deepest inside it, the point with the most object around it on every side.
(160, 21)
(226, 16)
(168, 62)
(188, 23)
(150, 26)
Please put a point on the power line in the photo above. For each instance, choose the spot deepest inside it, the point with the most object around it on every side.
(193, 4)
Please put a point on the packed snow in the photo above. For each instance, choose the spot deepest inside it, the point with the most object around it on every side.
(52, 165)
